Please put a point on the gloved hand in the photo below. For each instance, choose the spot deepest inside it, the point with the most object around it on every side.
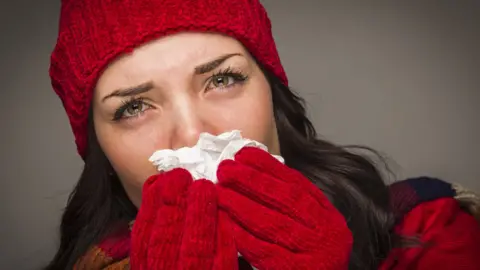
(279, 219)
(178, 226)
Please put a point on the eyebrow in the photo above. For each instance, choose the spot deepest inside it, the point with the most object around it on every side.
(131, 91)
(207, 67)
(145, 87)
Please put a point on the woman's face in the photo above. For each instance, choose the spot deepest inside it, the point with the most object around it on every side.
(165, 93)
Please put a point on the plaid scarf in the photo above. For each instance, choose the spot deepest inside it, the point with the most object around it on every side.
(113, 252)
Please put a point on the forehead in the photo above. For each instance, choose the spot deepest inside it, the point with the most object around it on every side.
(189, 45)
(183, 51)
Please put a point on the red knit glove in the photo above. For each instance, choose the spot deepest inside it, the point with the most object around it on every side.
(177, 226)
(280, 220)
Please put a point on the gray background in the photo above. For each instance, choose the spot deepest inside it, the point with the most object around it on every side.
(402, 77)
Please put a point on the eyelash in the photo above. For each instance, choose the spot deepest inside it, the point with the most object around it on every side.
(119, 113)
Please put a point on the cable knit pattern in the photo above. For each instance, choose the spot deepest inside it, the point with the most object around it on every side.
(92, 33)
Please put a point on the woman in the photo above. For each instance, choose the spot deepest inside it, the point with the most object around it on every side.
(136, 76)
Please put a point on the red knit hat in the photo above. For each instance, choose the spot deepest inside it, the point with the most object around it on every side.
(94, 32)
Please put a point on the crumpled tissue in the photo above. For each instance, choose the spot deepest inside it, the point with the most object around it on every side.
(203, 159)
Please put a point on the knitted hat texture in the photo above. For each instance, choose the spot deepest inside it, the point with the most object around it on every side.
(93, 33)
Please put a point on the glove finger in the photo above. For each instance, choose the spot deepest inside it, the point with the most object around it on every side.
(145, 218)
(198, 240)
(170, 204)
(267, 224)
(266, 255)
(142, 226)
(226, 252)
(291, 200)
(265, 162)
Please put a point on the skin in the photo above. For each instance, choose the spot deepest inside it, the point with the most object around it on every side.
(181, 96)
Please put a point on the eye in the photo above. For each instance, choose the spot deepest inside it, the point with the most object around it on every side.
(221, 81)
(225, 78)
(130, 109)
(134, 108)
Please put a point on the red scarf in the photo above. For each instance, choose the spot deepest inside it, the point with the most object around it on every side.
(112, 253)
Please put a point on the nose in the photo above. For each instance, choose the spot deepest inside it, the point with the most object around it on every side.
(188, 122)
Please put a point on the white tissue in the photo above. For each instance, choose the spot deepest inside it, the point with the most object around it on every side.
(203, 159)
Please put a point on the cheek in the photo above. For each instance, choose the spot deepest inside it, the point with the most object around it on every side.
(259, 125)
(128, 152)
(252, 114)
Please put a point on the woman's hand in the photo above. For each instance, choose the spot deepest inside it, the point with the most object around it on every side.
(178, 226)
(279, 219)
